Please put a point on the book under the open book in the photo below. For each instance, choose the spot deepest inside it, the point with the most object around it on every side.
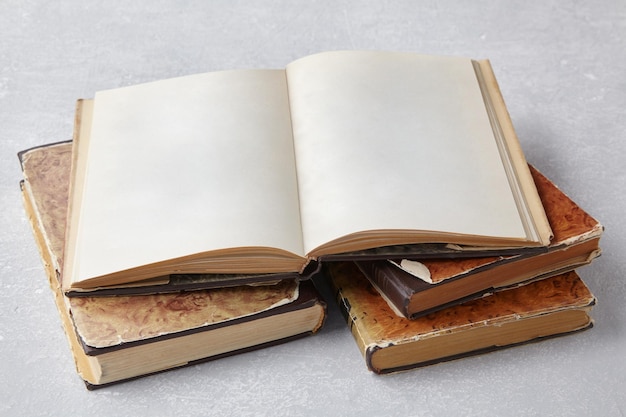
(555, 306)
(265, 171)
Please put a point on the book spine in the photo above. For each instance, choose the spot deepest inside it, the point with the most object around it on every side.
(384, 278)
(345, 308)
(86, 368)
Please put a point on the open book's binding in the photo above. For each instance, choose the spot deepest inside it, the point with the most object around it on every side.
(45, 207)
(479, 326)
(517, 173)
(576, 243)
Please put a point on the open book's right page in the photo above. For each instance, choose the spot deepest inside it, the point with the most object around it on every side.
(396, 141)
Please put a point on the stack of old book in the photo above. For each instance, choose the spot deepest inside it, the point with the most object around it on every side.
(411, 312)
(186, 213)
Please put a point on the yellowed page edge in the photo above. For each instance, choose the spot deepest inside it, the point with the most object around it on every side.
(517, 158)
(80, 143)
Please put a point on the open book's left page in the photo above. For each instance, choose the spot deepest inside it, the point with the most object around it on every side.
(190, 165)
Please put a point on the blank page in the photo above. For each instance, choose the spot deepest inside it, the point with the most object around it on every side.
(187, 165)
(388, 140)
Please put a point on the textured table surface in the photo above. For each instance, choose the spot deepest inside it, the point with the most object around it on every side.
(561, 67)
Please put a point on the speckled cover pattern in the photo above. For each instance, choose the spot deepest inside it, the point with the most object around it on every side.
(375, 325)
(107, 321)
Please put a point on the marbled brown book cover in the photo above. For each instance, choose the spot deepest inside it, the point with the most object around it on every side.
(104, 322)
(376, 326)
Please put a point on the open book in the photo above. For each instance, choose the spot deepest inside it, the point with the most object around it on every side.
(262, 171)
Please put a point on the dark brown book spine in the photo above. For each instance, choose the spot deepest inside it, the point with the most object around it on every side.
(391, 282)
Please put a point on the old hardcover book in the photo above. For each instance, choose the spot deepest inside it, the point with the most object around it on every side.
(554, 306)
(267, 171)
(415, 287)
(119, 338)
